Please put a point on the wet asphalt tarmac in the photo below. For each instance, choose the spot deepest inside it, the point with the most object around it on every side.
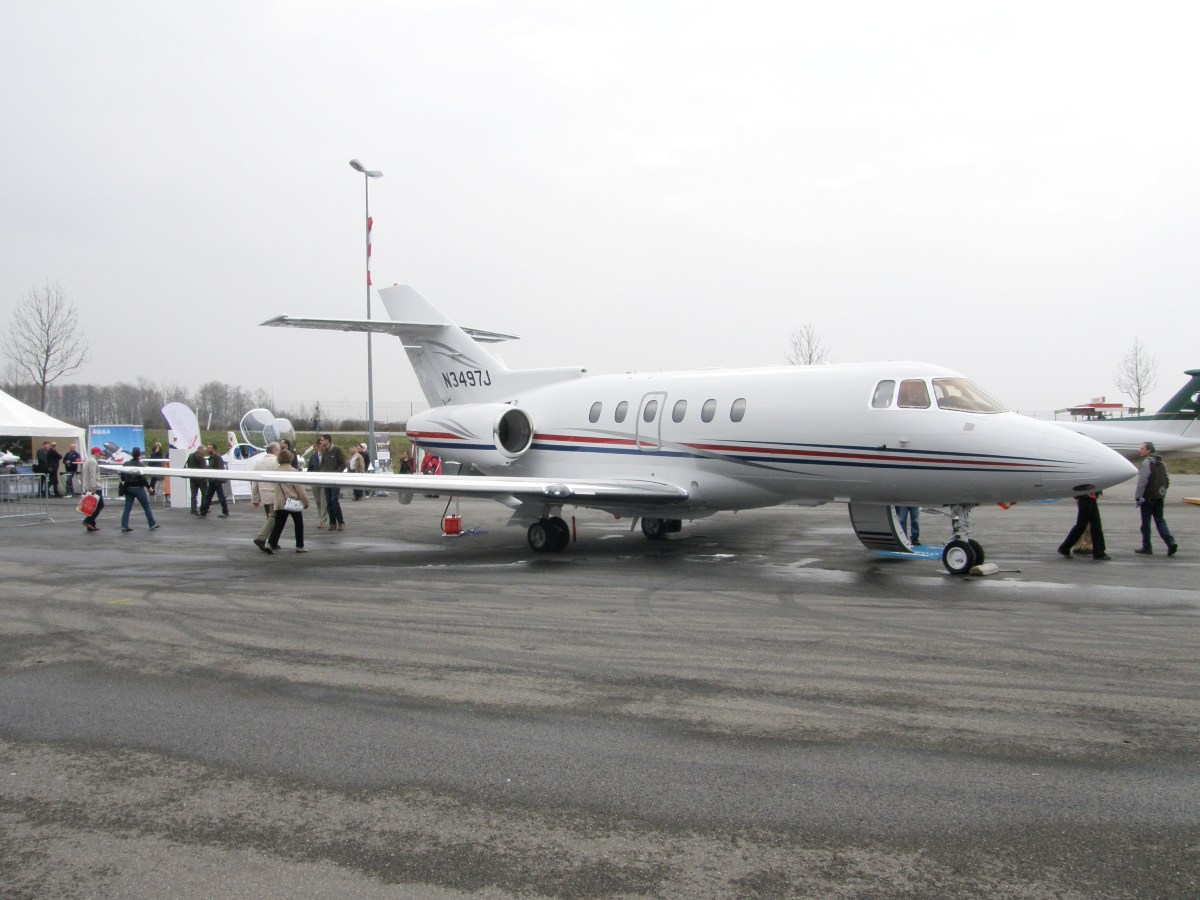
(758, 707)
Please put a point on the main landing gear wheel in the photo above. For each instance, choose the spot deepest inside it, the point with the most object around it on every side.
(657, 529)
(959, 557)
(549, 535)
(978, 548)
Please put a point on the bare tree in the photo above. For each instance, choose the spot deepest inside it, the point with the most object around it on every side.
(44, 339)
(1137, 374)
(805, 347)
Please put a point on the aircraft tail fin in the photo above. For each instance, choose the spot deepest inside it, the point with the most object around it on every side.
(1186, 401)
(450, 362)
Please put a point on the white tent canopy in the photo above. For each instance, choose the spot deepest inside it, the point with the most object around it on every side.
(19, 420)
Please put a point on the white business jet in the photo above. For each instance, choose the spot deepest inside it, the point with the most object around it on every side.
(1174, 429)
(668, 447)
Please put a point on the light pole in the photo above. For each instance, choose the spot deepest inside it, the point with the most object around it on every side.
(368, 174)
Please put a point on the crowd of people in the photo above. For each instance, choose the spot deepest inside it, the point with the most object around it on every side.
(80, 476)
(279, 501)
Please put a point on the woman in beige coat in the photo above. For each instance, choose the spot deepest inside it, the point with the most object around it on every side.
(284, 493)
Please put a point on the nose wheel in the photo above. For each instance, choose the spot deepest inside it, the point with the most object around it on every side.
(963, 552)
(958, 557)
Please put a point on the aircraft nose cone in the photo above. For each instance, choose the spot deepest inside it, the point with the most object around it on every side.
(1117, 469)
(1089, 465)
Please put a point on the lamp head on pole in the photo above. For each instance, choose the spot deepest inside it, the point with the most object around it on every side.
(359, 167)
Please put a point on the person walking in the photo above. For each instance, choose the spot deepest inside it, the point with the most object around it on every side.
(1150, 496)
(1087, 514)
(316, 455)
(197, 459)
(263, 494)
(289, 500)
(214, 485)
(333, 459)
(91, 485)
(135, 485)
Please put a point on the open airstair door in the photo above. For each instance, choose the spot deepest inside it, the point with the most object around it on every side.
(878, 527)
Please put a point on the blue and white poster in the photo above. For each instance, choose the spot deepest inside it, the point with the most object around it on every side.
(116, 441)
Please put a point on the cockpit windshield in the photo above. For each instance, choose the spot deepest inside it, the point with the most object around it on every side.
(960, 394)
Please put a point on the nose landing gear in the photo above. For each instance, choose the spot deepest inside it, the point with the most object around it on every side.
(963, 552)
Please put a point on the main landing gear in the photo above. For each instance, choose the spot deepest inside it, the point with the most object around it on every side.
(549, 535)
(658, 529)
(963, 552)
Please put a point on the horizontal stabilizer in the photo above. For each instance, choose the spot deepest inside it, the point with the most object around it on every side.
(379, 326)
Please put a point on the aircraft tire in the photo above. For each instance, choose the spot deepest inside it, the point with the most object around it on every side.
(958, 557)
(560, 534)
(978, 548)
(655, 529)
(539, 536)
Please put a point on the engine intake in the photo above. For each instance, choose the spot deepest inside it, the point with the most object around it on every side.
(481, 433)
(513, 431)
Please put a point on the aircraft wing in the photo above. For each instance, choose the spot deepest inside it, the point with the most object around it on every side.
(587, 492)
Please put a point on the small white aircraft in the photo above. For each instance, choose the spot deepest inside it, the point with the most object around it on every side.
(669, 447)
(1174, 429)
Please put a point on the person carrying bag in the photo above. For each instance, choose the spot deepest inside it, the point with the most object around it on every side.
(290, 500)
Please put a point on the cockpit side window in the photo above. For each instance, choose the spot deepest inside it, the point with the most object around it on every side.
(960, 394)
(882, 398)
(914, 394)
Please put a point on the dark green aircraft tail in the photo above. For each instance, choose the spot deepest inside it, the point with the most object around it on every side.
(1186, 402)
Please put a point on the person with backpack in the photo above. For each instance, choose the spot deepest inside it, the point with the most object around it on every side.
(1150, 495)
(133, 487)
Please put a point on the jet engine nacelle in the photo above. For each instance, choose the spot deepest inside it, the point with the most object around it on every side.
(482, 433)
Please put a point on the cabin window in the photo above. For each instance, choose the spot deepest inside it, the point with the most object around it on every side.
(650, 411)
(737, 412)
(708, 410)
(621, 411)
(884, 391)
(914, 394)
(679, 411)
(961, 394)
(594, 412)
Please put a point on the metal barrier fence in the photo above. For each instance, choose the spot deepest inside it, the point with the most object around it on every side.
(23, 500)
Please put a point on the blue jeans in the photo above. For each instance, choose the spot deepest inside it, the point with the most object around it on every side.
(1153, 509)
(908, 518)
(139, 494)
(333, 502)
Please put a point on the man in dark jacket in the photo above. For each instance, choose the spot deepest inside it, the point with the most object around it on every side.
(214, 486)
(1150, 496)
(135, 485)
(333, 459)
(71, 462)
(53, 461)
(197, 459)
(39, 467)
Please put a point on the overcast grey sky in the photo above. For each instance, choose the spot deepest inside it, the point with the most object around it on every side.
(1009, 189)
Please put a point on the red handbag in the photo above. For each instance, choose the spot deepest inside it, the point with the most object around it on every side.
(87, 505)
